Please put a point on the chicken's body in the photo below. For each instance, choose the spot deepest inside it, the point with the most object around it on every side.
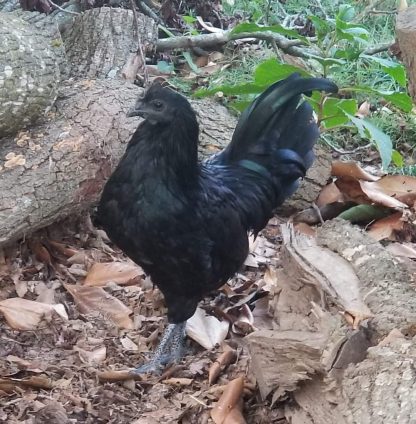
(186, 222)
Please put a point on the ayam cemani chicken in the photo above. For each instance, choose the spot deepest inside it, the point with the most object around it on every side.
(186, 223)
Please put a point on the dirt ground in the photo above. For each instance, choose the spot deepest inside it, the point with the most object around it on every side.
(63, 370)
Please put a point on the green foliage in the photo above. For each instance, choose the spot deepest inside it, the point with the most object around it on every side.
(340, 47)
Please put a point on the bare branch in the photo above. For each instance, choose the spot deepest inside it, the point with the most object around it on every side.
(219, 38)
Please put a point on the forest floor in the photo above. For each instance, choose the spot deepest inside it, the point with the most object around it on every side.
(62, 370)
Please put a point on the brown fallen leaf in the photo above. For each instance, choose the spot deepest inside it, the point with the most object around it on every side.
(236, 415)
(63, 248)
(96, 356)
(329, 194)
(102, 273)
(228, 401)
(364, 110)
(206, 330)
(351, 169)
(380, 195)
(229, 355)
(385, 228)
(23, 314)
(401, 187)
(306, 229)
(96, 299)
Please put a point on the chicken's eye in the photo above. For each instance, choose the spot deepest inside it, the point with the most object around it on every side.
(157, 104)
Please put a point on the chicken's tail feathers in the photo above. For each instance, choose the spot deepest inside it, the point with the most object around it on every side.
(272, 147)
(275, 120)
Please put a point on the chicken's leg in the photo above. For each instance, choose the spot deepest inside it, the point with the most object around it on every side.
(170, 349)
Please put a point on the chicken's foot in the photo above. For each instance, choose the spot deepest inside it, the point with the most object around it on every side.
(170, 349)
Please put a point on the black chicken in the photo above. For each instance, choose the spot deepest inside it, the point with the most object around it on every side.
(186, 222)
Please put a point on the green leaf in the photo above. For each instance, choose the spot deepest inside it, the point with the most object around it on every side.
(272, 70)
(334, 111)
(397, 159)
(328, 61)
(279, 29)
(364, 213)
(401, 100)
(190, 62)
(189, 19)
(382, 141)
(390, 67)
(322, 27)
(240, 106)
(346, 13)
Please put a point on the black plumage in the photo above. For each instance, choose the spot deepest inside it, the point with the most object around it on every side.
(186, 222)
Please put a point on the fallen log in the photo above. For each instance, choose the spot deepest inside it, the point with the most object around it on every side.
(345, 309)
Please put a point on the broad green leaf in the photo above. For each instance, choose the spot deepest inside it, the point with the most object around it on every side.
(345, 13)
(350, 53)
(323, 27)
(390, 67)
(328, 61)
(364, 213)
(272, 70)
(279, 29)
(397, 159)
(382, 141)
(334, 111)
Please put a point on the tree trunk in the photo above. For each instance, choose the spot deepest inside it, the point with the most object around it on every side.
(406, 36)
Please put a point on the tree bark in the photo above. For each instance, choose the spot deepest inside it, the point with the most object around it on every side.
(338, 374)
(29, 72)
(101, 42)
(406, 36)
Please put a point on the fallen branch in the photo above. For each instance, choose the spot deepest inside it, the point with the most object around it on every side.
(219, 38)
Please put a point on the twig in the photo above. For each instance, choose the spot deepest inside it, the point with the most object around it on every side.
(62, 9)
(139, 41)
(345, 152)
(148, 10)
(382, 12)
(378, 49)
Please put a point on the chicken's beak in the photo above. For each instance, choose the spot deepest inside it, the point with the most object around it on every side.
(139, 109)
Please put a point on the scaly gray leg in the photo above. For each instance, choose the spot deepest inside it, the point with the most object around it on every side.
(170, 349)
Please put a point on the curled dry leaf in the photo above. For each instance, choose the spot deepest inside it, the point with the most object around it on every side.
(9, 385)
(385, 228)
(23, 314)
(329, 194)
(351, 169)
(401, 187)
(229, 400)
(63, 248)
(229, 355)
(96, 356)
(113, 376)
(243, 323)
(95, 299)
(206, 330)
(364, 110)
(102, 273)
